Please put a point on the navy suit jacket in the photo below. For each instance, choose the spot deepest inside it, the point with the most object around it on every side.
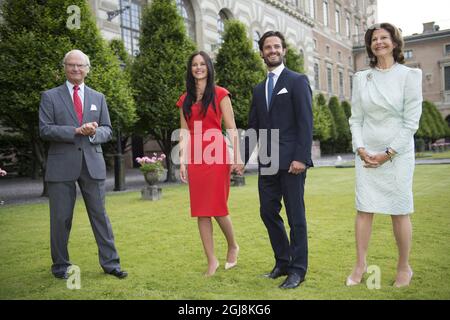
(290, 113)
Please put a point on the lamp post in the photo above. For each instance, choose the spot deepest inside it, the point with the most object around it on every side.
(119, 165)
(119, 162)
(115, 13)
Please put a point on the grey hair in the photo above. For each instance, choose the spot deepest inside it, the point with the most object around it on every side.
(86, 58)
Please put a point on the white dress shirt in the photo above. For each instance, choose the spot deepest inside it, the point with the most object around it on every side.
(80, 92)
(277, 71)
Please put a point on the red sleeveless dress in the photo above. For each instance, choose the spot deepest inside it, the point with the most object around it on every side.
(208, 160)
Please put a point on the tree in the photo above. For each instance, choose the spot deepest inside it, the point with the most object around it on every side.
(239, 69)
(126, 130)
(424, 131)
(34, 36)
(322, 120)
(431, 123)
(347, 109)
(294, 60)
(158, 73)
(441, 125)
(342, 126)
(331, 136)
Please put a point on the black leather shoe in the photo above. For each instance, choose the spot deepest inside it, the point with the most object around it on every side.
(276, 273)
(61, 275)
(292, 281)
(121, 274)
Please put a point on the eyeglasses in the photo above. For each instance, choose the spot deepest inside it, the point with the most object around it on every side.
(72, 66)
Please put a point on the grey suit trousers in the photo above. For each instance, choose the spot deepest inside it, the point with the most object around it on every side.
(62, 201)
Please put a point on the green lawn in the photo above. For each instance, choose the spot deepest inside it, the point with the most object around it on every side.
(160, 247)
(433, 155)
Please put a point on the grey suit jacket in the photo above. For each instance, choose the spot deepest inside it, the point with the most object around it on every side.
(57, 123)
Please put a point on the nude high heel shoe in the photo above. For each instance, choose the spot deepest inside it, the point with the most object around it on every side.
(405, 284)
(207, 274)
(350, 282)
(229, 265)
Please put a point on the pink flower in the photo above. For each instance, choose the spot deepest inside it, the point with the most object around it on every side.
(153, 164)
(2, 172)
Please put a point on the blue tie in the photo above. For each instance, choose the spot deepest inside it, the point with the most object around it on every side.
(270, 89)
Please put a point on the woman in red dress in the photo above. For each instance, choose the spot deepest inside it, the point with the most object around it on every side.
(204, 159)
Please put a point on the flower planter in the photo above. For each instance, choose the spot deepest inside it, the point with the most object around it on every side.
(151, 193)
(152, 177)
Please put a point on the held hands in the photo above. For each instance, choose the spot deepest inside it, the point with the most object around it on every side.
(238, 168)
(87, 129)
(372, 160)
(297, 167)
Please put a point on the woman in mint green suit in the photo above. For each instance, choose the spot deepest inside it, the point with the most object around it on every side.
(386, 109)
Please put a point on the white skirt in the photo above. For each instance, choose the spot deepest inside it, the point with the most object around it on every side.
(386, 189)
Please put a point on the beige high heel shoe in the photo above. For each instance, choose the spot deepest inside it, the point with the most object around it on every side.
(229, 265)
(405, 284)
(212, 273)
(350, 282)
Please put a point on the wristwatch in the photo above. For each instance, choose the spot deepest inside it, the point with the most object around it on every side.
(389, 153)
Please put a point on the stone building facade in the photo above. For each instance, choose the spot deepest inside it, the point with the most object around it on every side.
(339, 25)
(322, 30)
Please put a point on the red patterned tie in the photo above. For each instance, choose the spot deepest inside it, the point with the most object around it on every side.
(77, 104)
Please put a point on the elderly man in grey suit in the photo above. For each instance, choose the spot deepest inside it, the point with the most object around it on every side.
(75, 120)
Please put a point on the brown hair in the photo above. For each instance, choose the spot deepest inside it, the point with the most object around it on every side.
(396, 37)
(271, 34)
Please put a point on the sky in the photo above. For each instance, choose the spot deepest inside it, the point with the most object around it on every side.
(410, 14)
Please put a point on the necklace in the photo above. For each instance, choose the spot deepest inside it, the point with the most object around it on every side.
(387, 69)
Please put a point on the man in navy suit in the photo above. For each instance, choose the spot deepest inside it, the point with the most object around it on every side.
(281, 105)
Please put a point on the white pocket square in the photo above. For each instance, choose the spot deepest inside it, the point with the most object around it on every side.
(282, 91)
(93, 107)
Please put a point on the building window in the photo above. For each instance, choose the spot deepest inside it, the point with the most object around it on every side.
(350, 61)
(357, 29)
(337, 18)
(130, 21)
(328, 50)
(312, 9)
(347, 27)
(408, 54)
(316, 76)
(221, 25)
(315, 44)
(447, 78)
(330, 79)
(447, 49)
(341, 83)
(339, 56)
(325, 14)
(256, 37)
(187, 12)
(351, 85)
